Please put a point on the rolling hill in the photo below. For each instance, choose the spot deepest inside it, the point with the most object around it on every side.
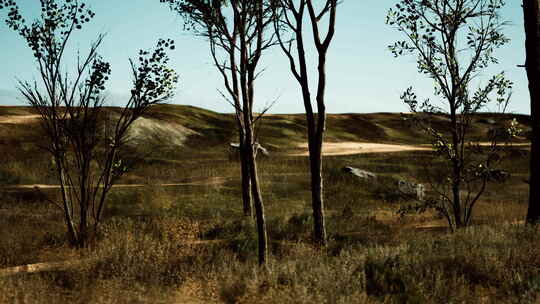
(192, 126)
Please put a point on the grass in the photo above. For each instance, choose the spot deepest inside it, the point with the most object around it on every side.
(190, 244)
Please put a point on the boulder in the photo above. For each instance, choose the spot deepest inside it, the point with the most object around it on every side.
(411, 188)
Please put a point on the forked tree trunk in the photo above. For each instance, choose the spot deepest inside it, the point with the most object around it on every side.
(531, 11)
(247, 78)
(293, 19)
(256, 192)
(316, 138)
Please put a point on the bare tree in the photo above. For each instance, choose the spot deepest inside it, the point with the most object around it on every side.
(85, 141)
(454, 40)
(531, 12)
(237, 33)
(290, 18)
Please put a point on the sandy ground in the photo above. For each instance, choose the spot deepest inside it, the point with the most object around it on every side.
(18, 119)
(349, 148)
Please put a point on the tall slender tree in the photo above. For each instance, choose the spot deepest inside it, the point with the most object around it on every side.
(290, 17)
(531, 13)
(454, 41)
(237, 32)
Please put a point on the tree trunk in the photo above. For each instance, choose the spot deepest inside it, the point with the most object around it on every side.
(246, 178)
(84, 204)
(315, 162)
(259, 211)
(72, 233)
(458, 222)
(257, 197)
(531, 11)
(456, 161)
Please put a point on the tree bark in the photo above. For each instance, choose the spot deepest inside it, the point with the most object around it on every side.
(317, 201)
(68, 215)
(246, 178)
(531, 12)
(85, 202)
(259, 209)
(248, 62)
(317, 138)
(255, 189)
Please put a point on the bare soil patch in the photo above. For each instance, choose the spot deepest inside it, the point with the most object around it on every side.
(349, 148)
(18, 119)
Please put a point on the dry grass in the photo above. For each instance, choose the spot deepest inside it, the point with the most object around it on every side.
(190, 243)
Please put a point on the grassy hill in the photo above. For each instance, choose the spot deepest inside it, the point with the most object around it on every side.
(280, 130)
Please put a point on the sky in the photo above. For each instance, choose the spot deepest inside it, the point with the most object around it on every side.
(363, 76)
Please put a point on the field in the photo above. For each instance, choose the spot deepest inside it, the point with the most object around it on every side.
(174, 230)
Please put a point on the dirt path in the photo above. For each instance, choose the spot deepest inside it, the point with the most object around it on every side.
(206, 182)
(351, 148)
(42, 267)
(17, 119)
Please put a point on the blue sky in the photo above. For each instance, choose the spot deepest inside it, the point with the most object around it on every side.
(363, 76)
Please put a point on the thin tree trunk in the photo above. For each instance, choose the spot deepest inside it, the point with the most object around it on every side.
(256, 192)
(246, 180)
(247, 77)
(457, 204)
(315, 160)
(456, 166)
(531, 11)
(84, 203)
(72, 233)
(259, 210)
(315, 130)
(246, 146)
(106, 188)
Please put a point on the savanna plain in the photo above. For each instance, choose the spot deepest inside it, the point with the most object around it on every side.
(175, 232)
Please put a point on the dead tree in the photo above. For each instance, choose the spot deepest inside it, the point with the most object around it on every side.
(531, 12)
(237, 32)
(87, 162)
(290, 16)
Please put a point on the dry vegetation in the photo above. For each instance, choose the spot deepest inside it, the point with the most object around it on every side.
(190, 244)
